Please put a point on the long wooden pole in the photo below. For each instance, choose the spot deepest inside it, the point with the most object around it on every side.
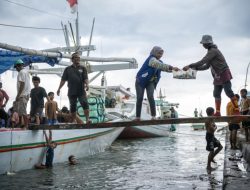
(144, 122)
(55, 54)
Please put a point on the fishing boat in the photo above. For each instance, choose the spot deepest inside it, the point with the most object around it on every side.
(22, 149)
(125, 109)
(198, 126)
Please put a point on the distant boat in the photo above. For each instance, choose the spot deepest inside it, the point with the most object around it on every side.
(22, 149)
(198, 126)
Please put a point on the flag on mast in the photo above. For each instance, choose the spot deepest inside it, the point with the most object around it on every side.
(73, 5)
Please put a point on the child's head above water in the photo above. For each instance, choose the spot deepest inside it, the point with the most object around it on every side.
(210, 111)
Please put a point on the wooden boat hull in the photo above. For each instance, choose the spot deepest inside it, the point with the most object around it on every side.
(149, 131)
(20, 150)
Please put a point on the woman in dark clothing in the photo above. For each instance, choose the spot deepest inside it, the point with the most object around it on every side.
(220, 71)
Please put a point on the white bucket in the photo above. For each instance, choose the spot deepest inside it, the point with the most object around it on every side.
(189, 74)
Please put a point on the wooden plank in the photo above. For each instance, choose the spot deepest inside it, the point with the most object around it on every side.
(144, 122)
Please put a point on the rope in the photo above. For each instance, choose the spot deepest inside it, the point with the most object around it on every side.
(30, 27)
(38, 10)
(11, 143)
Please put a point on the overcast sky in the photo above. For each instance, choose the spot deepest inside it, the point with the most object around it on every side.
(130, 28)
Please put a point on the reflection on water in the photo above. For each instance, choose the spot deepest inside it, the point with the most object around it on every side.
(177, 162)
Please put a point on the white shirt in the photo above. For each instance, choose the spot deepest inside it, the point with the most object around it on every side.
(23, 76)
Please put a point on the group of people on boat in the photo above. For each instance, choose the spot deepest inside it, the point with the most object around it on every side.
(17, 116)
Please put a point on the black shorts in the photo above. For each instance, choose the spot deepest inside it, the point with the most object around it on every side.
(245, 124)
(212, 142)
(73, 102)
(234, 127)
(36, 112)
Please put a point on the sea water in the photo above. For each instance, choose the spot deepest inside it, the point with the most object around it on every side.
(174, 162)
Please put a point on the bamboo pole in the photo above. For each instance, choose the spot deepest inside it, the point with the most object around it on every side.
(144, 123)
(58, 55)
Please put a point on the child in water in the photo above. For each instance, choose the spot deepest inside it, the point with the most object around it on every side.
(51, 145)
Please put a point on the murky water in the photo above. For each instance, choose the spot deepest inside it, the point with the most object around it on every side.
(177, 162)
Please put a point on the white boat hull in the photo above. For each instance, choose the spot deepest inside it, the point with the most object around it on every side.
(21, 150)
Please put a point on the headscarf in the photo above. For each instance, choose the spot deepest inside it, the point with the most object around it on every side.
(155, 50)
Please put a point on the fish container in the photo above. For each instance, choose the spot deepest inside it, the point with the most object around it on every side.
(189, 74)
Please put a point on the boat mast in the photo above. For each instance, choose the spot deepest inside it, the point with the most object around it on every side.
(246, 75)
(77, 30)
(66, 36)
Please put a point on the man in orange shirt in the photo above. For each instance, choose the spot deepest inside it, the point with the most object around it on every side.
(233, 127)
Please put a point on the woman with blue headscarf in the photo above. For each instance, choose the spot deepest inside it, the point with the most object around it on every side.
(148, 77)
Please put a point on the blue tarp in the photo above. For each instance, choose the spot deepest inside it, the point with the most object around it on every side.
(8, 58)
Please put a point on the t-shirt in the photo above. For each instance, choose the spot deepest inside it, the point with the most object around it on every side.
(23, 76)
(50, 109)
(75, 77)
(244, 104)
(231, 110)
(37, 97)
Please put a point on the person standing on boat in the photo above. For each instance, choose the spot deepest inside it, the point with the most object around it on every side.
(221, 73)
(78, 84)
(195, 112)
(148, 77)
(23, 91)
(51, 109)
(37, 96)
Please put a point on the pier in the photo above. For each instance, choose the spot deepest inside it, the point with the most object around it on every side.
(143, 122)
(235, 162)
